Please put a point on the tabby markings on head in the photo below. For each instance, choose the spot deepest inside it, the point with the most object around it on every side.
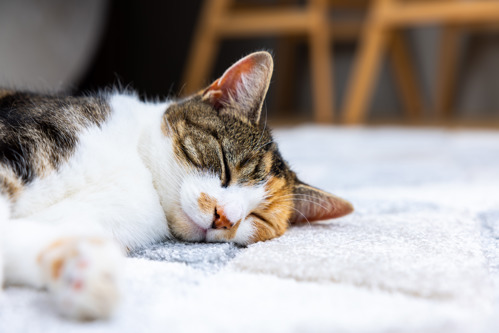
(236, 185)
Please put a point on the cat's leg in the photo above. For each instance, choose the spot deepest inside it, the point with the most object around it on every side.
(79, 267)
(82, 273)
(58, 242)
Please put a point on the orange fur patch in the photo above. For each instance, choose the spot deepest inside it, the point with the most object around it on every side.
(267, 160)
(57, 263)
(272, 219)
(206, 203)
(66, 252)
(49, 248)
(264, 231)
(56, 268)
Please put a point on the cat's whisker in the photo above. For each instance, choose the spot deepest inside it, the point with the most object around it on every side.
(296, 210)
(314, 202)
(311, 201)
(269, 142)
(302, 196)
(170, 130)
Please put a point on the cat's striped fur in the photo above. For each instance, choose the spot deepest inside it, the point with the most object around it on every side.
(38, 133)
(80, 175)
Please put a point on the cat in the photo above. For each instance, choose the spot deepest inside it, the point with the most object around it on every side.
(83, 180)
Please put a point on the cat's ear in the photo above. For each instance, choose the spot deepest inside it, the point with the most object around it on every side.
(242, 88)
(312, 204)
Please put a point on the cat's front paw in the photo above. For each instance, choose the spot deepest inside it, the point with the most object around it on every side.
(82, 275)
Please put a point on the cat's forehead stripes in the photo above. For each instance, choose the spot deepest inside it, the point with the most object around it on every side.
(203, 138)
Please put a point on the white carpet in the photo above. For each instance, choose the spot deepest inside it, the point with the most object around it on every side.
(420, 253)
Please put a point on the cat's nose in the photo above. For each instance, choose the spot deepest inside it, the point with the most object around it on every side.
(220, 221)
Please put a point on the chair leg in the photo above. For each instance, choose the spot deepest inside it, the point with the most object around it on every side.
(405, 74)
(446, 72)
(321, 62)
(365, 70)
(204, 47)
(284, 70)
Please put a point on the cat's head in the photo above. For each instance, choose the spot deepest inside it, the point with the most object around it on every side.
(234, 185)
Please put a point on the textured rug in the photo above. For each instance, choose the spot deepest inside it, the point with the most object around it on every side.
(420, 253)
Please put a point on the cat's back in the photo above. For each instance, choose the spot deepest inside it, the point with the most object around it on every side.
(39, 113)
(40, 131)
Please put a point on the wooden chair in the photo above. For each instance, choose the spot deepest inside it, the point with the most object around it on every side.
(385, 19)
(448, 63)
(222, 19)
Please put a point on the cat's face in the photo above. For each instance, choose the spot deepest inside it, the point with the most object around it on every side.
(234, 185)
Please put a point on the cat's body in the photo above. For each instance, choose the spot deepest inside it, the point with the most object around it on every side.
(102, 172)
(81, 178)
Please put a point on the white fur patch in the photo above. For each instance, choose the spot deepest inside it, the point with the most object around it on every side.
(237, 202)
(245, 231)
(107, 180)
(190, 191)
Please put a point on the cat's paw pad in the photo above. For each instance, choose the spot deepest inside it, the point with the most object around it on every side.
(82, 275)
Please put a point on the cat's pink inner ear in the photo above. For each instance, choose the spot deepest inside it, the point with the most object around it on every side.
(312, 204)
(243, 85)
(220, 92)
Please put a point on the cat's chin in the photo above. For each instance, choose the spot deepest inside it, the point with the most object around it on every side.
(216, 236)
(193, 232)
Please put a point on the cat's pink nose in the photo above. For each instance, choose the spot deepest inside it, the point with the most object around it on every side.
(220, 221)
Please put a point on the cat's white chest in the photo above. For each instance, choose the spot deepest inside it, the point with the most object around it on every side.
(106, 183)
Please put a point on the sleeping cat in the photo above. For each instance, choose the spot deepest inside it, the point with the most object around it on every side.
(85, 179)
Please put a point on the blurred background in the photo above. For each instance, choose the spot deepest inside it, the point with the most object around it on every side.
(340, 61)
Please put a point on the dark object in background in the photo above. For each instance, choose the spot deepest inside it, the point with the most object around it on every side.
(146, 43)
